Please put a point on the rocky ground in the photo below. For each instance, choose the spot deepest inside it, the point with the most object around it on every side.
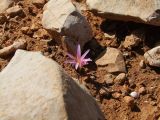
(124, 82)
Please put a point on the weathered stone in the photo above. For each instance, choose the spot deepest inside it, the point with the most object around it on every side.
(145, 11)
(15, 11)
(152, 56)
(142, 64)
(113, 59)
(109, 79)
(4, 4)
(134, 94)
(142, 90)
(68, 22)
(129, 100)
(41, 33)
(116, 95)
(19, 44)
(133, 40)
(33, 87)
(38, 3)
(120, 78)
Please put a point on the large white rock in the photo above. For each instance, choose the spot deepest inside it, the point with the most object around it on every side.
(153, 56)
(61, 18)
(112, 59)
(145, 11)
(33, 87)
(4, 4)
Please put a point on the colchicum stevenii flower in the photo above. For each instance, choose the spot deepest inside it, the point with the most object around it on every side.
(78, 61)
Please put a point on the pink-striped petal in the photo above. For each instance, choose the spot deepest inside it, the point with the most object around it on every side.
(84, 55)
(87, 60)
(78, 51)
(70, 61)
(71, 56)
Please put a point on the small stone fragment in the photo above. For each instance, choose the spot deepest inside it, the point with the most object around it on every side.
(142, 64)
(15, 11)
(112, 59)
(108, 36)
(20, 44)
(38, 3)
(129, 100)
(120, 78)
(25, 30)
(152, 56)
(109, 79)
(41, 33)
(125, 90)
(133, 40)
(116, 95)
(142, 90)
(134, 94)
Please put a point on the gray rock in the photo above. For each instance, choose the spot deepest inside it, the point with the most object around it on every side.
(4, 4)
(61, 18)
(152, 56)
(33, 87)
(112, 59)
(144, 11)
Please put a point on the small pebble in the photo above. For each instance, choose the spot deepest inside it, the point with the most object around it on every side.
(142, 90)
(15, 11)
(109, 79)
(120, 78)
(134, 94)
(142, 64)
(125, 90)
(116, 95)
(153, 103)
(129, 100)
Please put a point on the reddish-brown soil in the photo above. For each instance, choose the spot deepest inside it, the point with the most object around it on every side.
(147, 106)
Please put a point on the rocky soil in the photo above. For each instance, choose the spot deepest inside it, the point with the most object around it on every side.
(124, 76)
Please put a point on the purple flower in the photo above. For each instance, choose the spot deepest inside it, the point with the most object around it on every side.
(78, 61)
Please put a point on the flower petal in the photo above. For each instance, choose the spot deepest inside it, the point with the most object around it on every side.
(70, 61)
(76, 66)
(78, 51)
(71, 56)
(87, 60)
(84, 55)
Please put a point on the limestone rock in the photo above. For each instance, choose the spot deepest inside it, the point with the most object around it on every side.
(133, 40)
(14, 11)
(38, 3)
(113, 60)
(61, 18)
(145, 11)
(4, 4)
(120, 79)
(153, 56)
(33, 87)
(19, 44)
